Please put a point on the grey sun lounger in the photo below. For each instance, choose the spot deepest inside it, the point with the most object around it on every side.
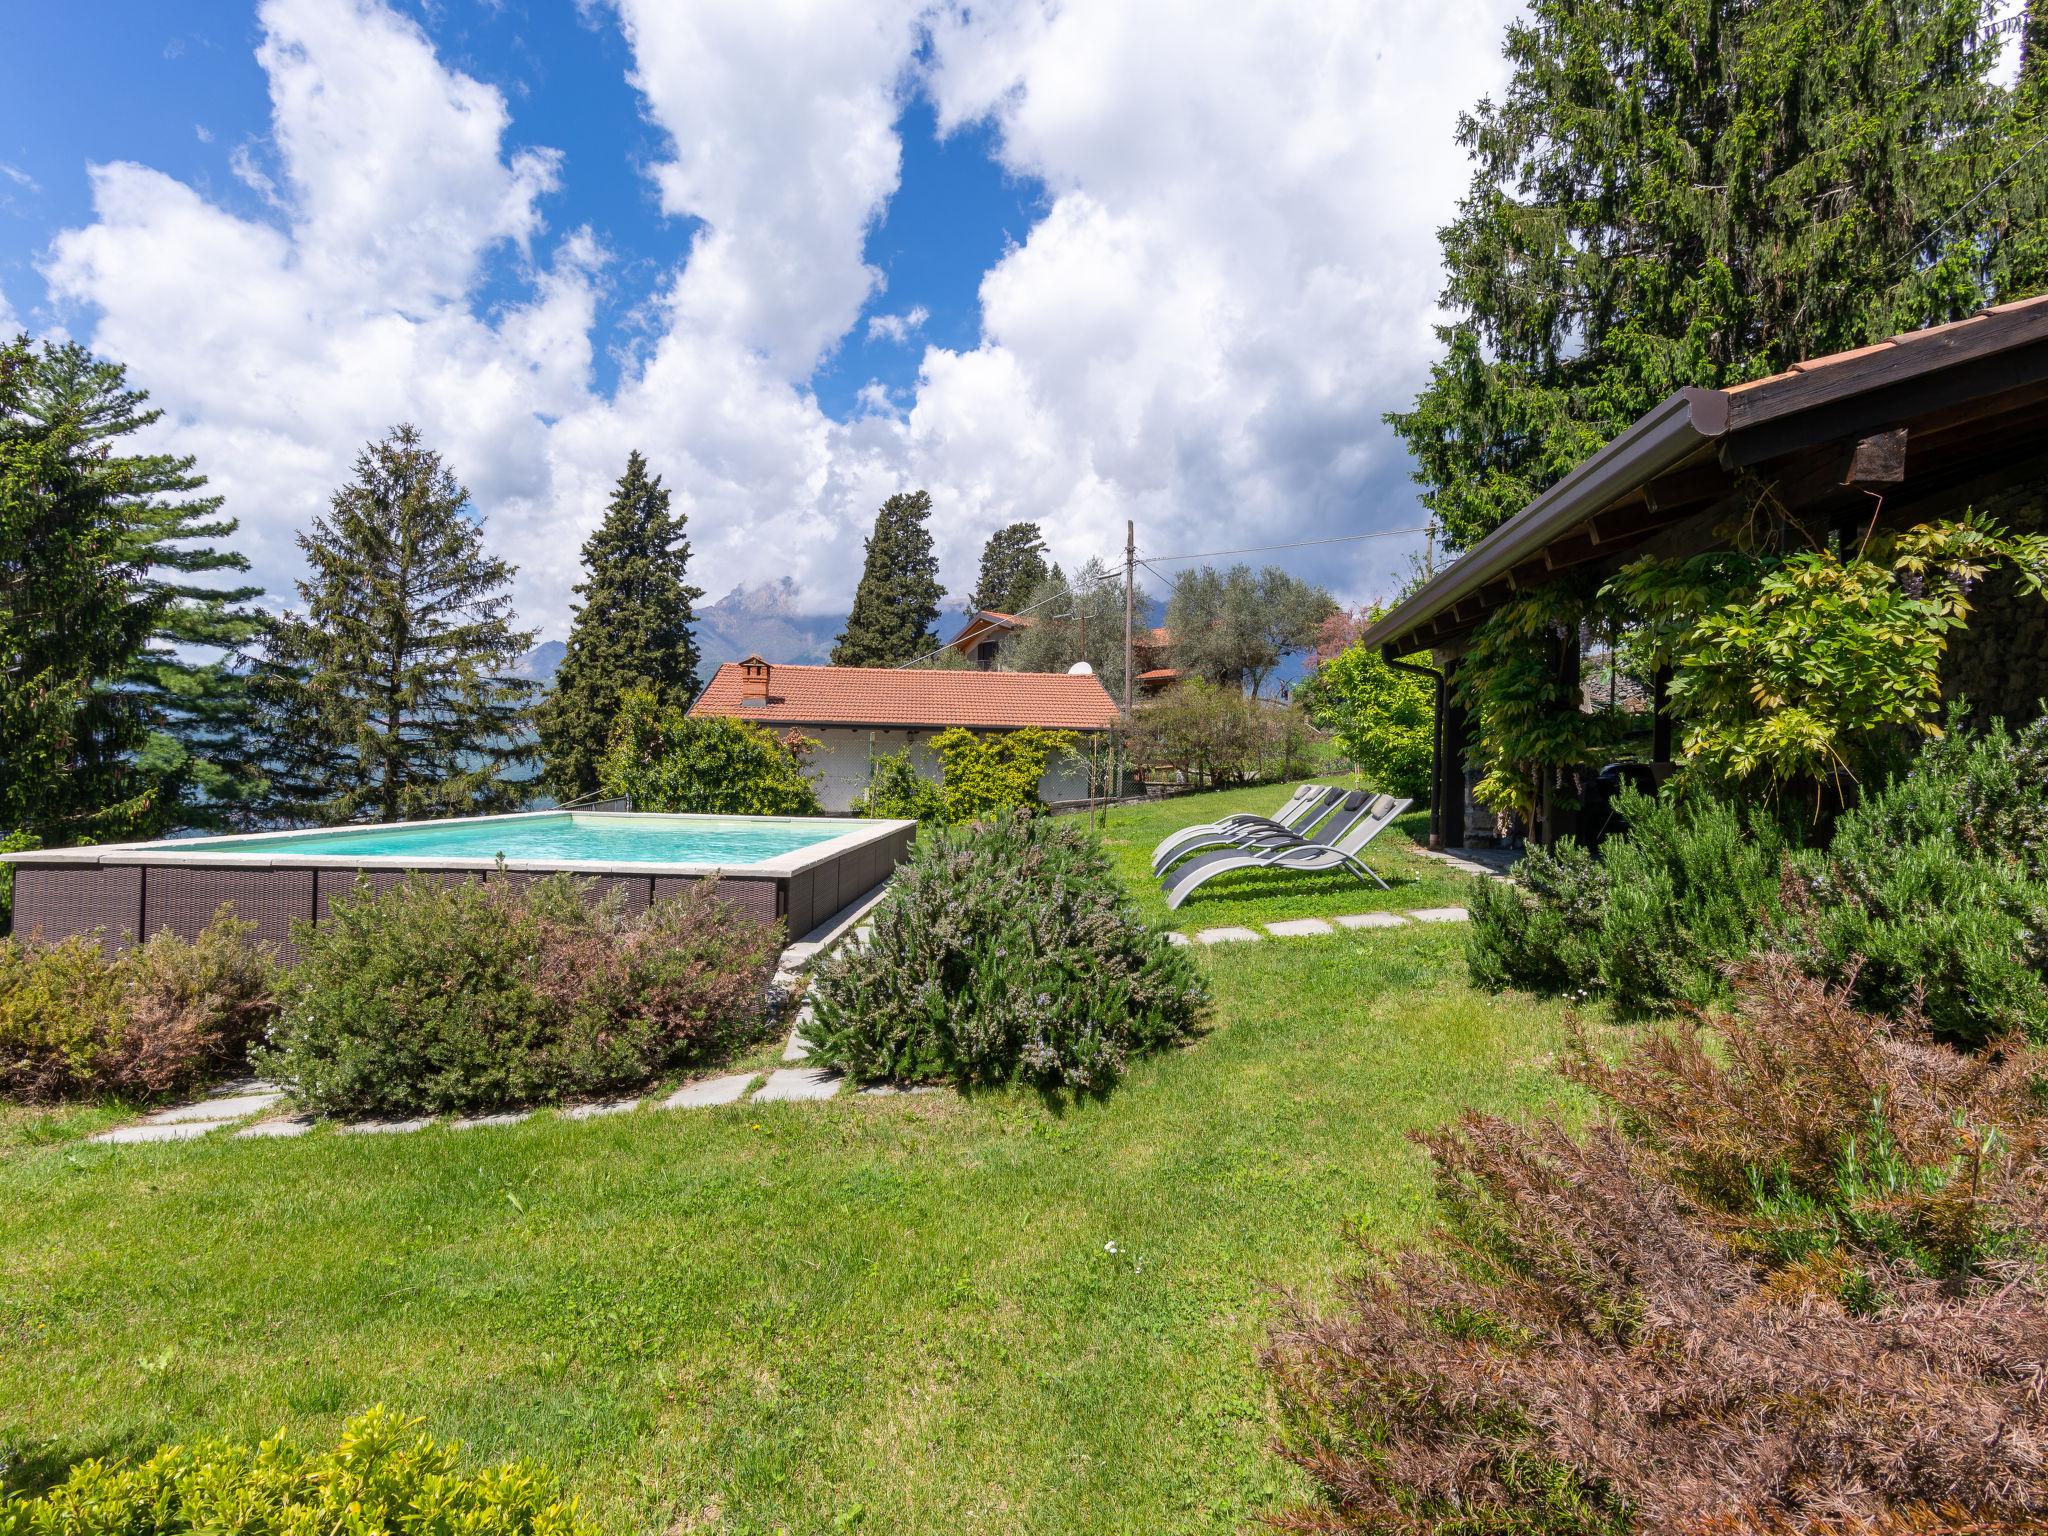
(1304, 808)
(1316, 855)
(1351, 807)
(1331, 823)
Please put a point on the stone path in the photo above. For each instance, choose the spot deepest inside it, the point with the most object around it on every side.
(1316, 927)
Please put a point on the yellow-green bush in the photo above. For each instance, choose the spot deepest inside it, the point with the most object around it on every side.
(384, 1476)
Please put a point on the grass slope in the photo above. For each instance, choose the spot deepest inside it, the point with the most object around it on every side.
(898, 1314)
(1131, 832)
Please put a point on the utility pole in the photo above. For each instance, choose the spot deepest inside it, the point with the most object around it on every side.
(1130, 588)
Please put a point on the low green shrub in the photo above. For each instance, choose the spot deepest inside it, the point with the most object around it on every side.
(897, 791)
(1656, 918)
(436, 996)
(383, 1476)
(1540, 931)
(79, 1020)
(1006, 951)
(662, 759)
(1691, 889)
(1933, 893)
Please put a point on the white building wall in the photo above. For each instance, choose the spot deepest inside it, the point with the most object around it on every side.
(839, 767)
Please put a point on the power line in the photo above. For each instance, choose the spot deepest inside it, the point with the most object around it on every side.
(1970, 202)
(1263, 549)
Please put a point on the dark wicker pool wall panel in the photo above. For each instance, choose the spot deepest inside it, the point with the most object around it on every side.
(59, 898)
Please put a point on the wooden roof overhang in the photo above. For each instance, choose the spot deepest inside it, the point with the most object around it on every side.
(1925, 412)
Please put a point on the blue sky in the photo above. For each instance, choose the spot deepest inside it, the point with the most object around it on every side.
(1156, 259)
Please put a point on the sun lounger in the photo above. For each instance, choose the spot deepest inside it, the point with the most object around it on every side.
(1351, 808)
(1304, 808)
(1316, 855)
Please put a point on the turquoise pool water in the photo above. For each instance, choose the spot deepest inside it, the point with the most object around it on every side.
(579, 839)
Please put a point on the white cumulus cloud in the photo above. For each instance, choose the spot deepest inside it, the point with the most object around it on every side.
(1232, 278)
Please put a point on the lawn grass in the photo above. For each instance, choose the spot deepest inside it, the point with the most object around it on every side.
(1250, 897)
(911, 1314)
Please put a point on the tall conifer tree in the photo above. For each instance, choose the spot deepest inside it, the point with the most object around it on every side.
(897, 602)
(391, 692)
(632, 630)
(1700, 192)
(1012, 566)
(75, 610)
(190, 681)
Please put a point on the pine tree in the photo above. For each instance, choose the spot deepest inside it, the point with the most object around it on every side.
(1012, 564)
(1699, 192)
(631, 631)
(390, 693)
(75, 610)
(897, 602)
(190, 682)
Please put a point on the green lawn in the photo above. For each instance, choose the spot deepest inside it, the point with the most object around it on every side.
(910, 1314)
(1254, 896)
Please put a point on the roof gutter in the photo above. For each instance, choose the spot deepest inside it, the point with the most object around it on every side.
(1653, 444)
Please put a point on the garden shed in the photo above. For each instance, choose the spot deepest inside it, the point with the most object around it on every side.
(1928, 424)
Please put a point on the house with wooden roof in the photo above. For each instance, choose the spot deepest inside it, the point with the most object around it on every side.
(1925, 425)
(860, 713)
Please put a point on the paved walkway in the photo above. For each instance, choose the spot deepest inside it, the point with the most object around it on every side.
(1317, 927)
(244, 1108)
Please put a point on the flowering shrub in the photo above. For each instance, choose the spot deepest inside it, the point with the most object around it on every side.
(1006, 951)
(77, 1019)
(432, 996)
(384, 1475)
(662, 759)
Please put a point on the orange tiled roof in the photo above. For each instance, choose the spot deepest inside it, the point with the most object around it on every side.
(913, 696)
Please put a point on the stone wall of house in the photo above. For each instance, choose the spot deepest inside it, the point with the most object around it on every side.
(2000, 661)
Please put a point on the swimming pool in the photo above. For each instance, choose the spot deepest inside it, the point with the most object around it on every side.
(795, 869)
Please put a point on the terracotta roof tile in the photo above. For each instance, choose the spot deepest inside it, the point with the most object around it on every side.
(904, 696)
(1906, 339)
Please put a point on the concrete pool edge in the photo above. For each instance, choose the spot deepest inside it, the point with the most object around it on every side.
(137, 889)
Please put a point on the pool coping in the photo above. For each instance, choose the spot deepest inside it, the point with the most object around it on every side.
(860, 832)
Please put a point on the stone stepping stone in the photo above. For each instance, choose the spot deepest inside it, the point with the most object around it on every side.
(288, 1125)
(180, 1130)
(713, 1090)
(386, 1127)
(1439, 914)
(505, 1117)
(890, 1090)
(1299, 928)
(598, 1111)
(792, 1084)
(798, 1048)
(1227, 935)
(1179, 938)
(237, 1107)
(1374, 920)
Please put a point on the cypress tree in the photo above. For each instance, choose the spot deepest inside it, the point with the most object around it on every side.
(75, 610)
(1012, 566)
(391, 691)
(632, 630)
(190, 680)
(897, 602)
(1700, 192)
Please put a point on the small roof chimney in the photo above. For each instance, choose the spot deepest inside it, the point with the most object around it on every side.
(753, 683)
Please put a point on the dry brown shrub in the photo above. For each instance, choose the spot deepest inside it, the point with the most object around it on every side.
(1811, 1125)
(1590, 1352)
